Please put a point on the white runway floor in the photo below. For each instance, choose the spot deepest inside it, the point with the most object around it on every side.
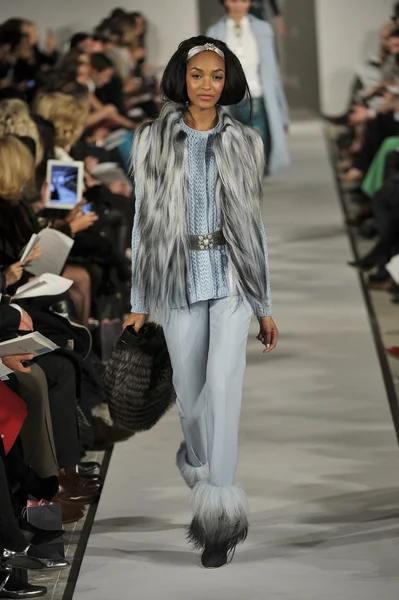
(318, 455)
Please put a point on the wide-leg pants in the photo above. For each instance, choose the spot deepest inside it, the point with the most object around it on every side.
(207, 346)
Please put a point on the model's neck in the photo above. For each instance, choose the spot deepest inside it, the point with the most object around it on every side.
(202, 119)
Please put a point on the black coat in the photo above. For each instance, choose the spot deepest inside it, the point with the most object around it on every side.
(10, 317)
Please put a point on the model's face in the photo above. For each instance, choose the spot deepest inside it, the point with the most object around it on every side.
(237, 9)
(205, 78)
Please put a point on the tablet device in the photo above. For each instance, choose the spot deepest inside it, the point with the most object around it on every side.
(65, 183)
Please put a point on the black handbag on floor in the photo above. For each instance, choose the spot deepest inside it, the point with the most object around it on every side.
(138, 378)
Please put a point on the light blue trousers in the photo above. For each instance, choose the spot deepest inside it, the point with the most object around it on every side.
(207, 346)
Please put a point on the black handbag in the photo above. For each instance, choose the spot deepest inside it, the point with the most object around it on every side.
(138, 378)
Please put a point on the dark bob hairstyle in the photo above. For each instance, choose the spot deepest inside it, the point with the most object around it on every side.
(173, 84)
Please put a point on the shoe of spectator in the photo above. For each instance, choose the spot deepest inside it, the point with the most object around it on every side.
(107, 435)
(22, 590)
(88, 468)
(74, 489)
(71, 511)
(379, 285)
(381, 276)
(393, 351)
(92, 479)
(27, 560)
(48, 563)
(76, 480)
(358, 219)
(368, 230)
(5, 573)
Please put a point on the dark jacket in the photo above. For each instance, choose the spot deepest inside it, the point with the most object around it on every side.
(10, 317)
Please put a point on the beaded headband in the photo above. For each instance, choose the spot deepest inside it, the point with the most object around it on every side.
(204, 48)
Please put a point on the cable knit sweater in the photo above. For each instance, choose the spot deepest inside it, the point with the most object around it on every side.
(209, 269)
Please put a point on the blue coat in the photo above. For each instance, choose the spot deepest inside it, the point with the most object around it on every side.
(273, 93)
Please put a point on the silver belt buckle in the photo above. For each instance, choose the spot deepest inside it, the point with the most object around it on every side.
(205, 242)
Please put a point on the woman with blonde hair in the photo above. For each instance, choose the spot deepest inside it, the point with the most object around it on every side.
(68, 115)
(17, 178)
(17, 169)
(15, 119)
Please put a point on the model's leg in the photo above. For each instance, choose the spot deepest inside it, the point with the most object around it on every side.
(220, 507)
(187, 338)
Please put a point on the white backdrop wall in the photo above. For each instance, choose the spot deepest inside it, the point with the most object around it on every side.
(170, 21)
(346, 34)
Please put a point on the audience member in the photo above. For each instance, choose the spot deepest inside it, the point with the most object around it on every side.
(369, 158)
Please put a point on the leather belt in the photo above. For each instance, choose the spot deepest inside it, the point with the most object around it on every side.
(207, 241)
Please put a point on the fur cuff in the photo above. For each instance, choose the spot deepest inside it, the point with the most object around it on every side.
(190, 474)
(220, 517)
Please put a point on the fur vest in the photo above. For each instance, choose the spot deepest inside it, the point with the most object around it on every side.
(160, 166)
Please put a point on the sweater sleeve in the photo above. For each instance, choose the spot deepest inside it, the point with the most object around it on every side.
(139, 305)
(265, 309)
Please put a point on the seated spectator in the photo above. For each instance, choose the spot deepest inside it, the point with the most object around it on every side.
(374, 122)
(370, 169)
(81, 41)
(15, 119)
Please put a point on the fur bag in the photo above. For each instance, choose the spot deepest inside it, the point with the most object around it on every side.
(138, 378)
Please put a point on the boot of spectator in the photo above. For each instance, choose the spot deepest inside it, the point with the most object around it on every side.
(74, 488)
(71, 511)
(14, 587)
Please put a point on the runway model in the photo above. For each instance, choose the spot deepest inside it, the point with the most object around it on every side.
(252, 40)
(200, 259)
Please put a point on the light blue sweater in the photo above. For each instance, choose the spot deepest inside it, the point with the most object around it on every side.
(209, 269)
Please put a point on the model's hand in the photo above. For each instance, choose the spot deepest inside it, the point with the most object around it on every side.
(135, 319)
(268, 333)
(15, 362)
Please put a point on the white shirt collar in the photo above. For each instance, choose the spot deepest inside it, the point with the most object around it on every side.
(244, 22)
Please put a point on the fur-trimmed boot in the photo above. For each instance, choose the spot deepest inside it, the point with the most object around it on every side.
(190, 474)
(219, 523)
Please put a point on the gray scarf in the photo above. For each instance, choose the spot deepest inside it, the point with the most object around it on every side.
(160, 166)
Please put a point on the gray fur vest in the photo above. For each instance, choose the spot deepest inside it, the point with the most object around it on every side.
(160, 166)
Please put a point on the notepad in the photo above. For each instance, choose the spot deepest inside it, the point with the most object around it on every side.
(33, 343)
(29, 247)
(47, 284)
(55, 247)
